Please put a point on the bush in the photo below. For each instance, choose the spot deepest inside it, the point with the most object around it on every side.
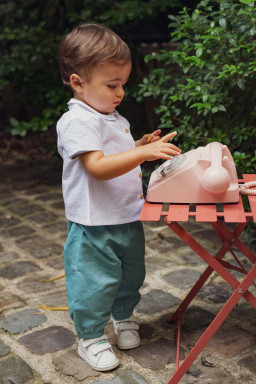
(205, 82)
(32, 95)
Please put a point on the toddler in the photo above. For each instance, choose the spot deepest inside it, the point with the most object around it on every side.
(102, 189)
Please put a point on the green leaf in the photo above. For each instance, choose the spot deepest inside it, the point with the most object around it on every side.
(241, 84)
(222, 22)
(222, 108)
(165, 125)
(252, 31)
(199, 51)
(14, 122)
(172, 17)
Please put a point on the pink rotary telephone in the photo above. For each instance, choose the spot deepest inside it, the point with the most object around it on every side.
(203, 175)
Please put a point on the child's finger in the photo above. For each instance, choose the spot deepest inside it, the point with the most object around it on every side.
(157, 132)
(175, 148)
(171, 149)
(168, 137)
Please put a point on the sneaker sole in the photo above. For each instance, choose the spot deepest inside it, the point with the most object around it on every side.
(100, 369)
(123, 347)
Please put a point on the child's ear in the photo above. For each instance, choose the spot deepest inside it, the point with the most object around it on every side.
(76, 82)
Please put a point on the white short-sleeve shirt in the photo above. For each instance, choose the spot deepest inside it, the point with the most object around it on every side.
(89, 201)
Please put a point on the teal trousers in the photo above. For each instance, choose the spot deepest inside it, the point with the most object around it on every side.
(104, 270)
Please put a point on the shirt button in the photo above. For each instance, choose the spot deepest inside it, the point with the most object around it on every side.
(141, 196)
(127, 130)
(140, 174)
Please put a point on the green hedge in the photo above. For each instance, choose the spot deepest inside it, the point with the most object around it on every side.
(32, 95)
(205, 82)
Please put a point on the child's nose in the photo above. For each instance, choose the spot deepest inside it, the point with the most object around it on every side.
(120, 92)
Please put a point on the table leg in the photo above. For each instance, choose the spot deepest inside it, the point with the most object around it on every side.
(203, 278)
(233, 236)
(213, 262)
(213, 327)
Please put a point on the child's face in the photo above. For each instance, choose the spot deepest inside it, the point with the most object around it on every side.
(105, 89)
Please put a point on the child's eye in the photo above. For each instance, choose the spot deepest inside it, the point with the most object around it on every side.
(111, 86)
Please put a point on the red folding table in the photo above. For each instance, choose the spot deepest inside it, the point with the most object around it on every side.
(210, 213)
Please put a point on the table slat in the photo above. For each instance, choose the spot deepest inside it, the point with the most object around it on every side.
(150, 211)
(252, 199)
(234, 213)
(250, 177)
(178, 212)
(206, 213)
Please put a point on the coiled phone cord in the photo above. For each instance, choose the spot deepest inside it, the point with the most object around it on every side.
(244, 188)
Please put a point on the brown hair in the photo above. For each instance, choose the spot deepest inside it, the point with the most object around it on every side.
(89, 45)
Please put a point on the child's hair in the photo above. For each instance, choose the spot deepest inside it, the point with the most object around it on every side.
(87, 46)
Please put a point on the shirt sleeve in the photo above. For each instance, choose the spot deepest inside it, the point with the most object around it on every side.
(79, 136)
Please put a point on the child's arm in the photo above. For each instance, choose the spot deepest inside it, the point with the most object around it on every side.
(149, 138)
(107, 167)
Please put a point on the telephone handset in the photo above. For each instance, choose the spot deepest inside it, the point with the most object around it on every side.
(216, 178)
(203, 175)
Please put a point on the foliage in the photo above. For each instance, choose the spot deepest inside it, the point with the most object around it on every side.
(205, 82)
(30, 31)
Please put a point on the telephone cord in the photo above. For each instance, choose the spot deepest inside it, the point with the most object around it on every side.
(244, 188)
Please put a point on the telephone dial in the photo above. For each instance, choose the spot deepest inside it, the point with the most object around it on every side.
(202, 175)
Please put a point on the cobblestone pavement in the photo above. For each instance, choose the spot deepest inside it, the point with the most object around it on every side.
(39, 346)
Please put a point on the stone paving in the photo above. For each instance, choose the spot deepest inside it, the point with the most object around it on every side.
(39, 346)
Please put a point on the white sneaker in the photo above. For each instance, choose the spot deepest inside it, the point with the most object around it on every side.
(127, 333)
(98, 353)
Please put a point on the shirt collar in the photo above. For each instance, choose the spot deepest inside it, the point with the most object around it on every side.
(110, 116)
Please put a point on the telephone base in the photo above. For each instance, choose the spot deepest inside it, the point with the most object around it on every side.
(204, 175)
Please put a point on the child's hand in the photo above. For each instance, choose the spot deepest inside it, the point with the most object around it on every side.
(150, 137)
(106, 167)
(161, 149)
